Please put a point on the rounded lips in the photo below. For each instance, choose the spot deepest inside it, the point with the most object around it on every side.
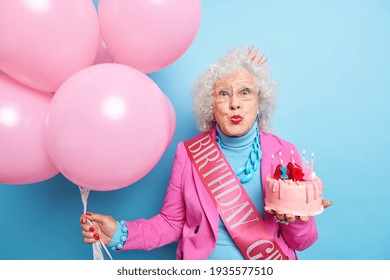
(236, 119)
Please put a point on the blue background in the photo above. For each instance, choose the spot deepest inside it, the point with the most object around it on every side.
(331, 60)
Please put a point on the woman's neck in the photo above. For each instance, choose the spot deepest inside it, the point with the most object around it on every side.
(237, 142)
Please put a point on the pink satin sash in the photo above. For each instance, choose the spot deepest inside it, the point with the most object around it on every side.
(241, 218)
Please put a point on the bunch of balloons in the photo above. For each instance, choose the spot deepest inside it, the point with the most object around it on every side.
(75, 97)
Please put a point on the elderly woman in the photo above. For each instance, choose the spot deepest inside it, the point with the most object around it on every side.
(216, 215)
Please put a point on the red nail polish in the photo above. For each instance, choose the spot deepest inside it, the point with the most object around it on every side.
(96, 236)
(92, 229)
(88, 214)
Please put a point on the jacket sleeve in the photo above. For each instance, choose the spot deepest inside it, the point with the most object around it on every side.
(300, 235)
(166, 227)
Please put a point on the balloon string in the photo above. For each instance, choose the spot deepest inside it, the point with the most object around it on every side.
(97, 246)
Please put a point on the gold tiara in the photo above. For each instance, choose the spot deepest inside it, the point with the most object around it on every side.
(258, 59)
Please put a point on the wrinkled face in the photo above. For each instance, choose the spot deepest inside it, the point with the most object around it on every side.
(236, 103)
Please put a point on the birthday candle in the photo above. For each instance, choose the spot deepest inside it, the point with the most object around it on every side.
(280, 157)
(312, 162)
(306, 170)
(292, 156)
(303, 157)
(272, 163)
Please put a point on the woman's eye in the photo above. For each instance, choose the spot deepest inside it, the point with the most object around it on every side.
(223, 93)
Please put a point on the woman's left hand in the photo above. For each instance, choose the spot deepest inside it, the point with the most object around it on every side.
(290, 218)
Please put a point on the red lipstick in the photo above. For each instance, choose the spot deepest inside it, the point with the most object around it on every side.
(236, 119)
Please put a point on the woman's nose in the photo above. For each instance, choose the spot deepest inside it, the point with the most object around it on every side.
(234, 101)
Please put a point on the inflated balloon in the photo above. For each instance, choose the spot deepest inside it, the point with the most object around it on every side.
(23, 155)
(43, 42)
(148, 34)
(172, 118)
(108, 125)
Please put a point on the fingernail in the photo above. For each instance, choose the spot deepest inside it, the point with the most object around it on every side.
(82, 220)
(92, 229)
(304, 219)
(96, 236)
(88, 214)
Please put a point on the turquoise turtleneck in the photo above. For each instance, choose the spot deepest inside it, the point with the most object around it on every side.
(236, 151)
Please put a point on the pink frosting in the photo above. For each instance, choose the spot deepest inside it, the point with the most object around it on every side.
(296, 197)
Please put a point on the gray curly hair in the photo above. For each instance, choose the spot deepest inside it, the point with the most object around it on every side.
(234, 60)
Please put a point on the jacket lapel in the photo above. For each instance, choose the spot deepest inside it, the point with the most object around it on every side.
(268, 148)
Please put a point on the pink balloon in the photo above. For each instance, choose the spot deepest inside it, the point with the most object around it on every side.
(148, 34)
(23, 155)
(43, 42)
(172, 118)
(108, 126)
(103, 55)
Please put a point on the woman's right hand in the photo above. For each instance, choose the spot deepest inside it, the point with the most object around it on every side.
(96, 227)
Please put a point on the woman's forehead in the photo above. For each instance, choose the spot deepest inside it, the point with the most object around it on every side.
(241, 76)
